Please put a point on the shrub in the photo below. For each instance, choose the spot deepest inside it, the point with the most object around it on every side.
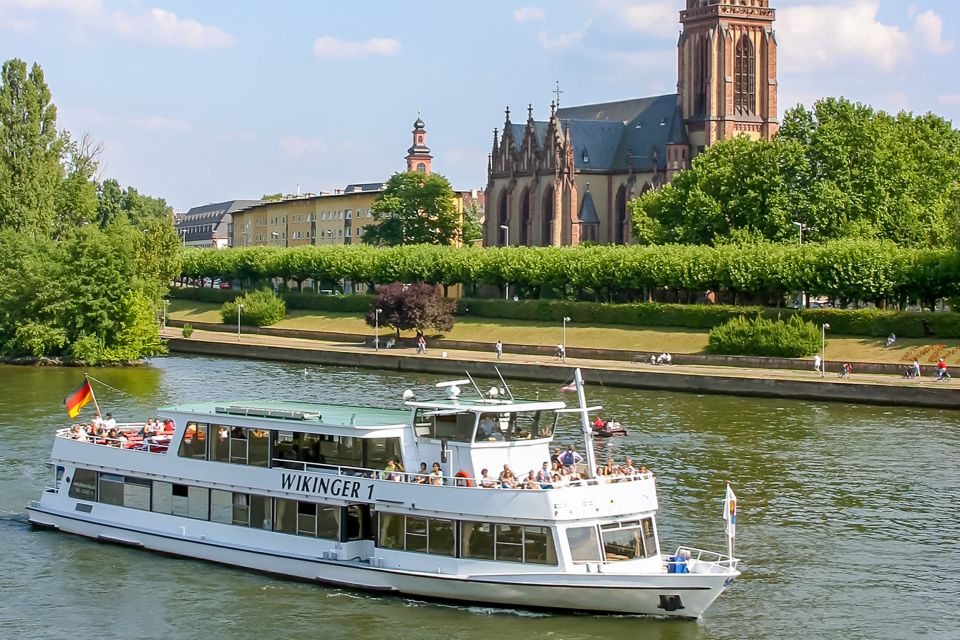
(260, 308)
(203, 294)
(187, 330)
(357, 303)
(763, 337)
(86, 349)
(38, 339)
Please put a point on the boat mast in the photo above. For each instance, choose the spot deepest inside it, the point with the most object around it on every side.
(587, 429)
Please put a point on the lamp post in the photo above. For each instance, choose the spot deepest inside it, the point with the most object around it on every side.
(239, 309)
(801, 227)
(563, 356)
(823, 348)
(376, 324)
(506, 243)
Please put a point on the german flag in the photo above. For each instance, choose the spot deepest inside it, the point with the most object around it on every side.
(77, 398)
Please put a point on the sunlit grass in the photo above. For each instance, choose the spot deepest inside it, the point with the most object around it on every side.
(638, 339)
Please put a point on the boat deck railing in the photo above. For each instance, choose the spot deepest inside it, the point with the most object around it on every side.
(131, 438)
(463, 481)
(693, 560)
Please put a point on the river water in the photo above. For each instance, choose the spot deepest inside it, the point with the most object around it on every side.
(848, 523)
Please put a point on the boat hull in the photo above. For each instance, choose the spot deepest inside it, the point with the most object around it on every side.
(669, 595)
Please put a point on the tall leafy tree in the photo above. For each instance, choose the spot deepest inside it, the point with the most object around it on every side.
(471, 227)
(414, 209)
(30, 147)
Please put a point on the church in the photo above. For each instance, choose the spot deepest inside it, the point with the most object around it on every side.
(568, 180)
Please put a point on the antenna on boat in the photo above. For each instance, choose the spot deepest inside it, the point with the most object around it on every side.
(585, 423)
(500, 375)
(474, 383)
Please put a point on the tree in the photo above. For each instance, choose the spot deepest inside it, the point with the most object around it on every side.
(414, 209)
(411, 306)
(842, 169)
(30, 170)
(471, 229)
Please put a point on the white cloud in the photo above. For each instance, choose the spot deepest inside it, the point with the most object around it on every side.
(165, 28)
(162, 122)
(330, 47)
(564, 40)
(950, 99)
(928, 28)
(815, 37)
(652, 18)
(16, 24)
(529, 14)
(155, 26)
(295, 146)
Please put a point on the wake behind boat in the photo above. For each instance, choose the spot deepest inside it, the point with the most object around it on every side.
(326, 493)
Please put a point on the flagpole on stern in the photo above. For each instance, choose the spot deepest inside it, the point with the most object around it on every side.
(730, 516)
(93, 396)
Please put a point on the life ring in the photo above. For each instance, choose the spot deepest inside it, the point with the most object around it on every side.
(462, 479)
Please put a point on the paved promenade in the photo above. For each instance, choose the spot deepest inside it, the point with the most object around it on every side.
(868, 388)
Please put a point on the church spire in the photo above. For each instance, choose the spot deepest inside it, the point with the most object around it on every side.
(418, 155)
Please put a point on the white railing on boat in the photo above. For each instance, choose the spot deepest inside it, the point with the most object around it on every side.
(693, 560)
(446, 481)
(132, 439)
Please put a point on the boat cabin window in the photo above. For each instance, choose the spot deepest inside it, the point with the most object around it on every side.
(307, 519)
(507, 543)
(84, 485)
(293, 450)
(526, 425)
(584, 545)
(194, 443)
(439, 424)
(412, 533)
(628, 540)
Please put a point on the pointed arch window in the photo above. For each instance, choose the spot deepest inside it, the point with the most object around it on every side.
(745, 74)
(701, 75)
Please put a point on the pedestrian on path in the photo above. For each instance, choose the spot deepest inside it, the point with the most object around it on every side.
(499, 349)
(816, 364)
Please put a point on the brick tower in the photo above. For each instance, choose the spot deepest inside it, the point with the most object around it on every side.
(727, 64)
(418, 155)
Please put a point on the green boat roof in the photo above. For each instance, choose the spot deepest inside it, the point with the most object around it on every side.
(295, 412)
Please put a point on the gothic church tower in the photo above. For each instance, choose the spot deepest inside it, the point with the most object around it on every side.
(727, 58)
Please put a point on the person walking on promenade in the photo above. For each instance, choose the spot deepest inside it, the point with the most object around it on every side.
(499, 349)
(816, 364)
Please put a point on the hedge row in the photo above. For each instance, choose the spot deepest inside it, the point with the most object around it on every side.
(293, 299)
(848, 270)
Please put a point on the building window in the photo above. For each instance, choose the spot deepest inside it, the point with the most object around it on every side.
(745, 75)
(701, 75)
(421, 167)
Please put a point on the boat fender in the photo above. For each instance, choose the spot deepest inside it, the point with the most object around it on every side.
(462, 479)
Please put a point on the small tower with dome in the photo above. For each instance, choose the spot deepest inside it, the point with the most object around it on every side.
(418, 155)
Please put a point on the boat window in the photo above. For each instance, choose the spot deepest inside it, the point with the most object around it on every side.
(509, 543)
(219, 443)
(538, 547)
(238, 445)
(307, 519)
(378, 450)
(416, 534)
(84, 484)
(512, 426)
(285, 450)
(531, 425)
(455, 427)
(259, 512)
(584, 545)
(285, 519)
(476, 540)
(221, 506)
(194, 443)
(441, 537)
(649, 536)
(258, 448)
(136, 493)
(162, 499)
(111, 489)
(390, 531)
(621, 543)
(190, 502)
(328, 522)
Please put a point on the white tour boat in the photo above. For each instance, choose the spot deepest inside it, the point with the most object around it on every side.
(308, 491)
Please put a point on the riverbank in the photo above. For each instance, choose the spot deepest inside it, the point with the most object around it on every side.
(867, 388)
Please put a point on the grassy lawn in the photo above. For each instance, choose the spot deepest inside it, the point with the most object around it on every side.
(640, 339)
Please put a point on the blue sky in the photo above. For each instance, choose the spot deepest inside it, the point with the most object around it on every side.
(200, 102)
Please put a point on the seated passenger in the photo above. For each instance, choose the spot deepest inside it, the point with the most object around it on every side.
(543, 476)
(150, 428)
(530, 482)
(628, 468)
(507, 478)
(486, 481)
(423, 476)
(436, 476)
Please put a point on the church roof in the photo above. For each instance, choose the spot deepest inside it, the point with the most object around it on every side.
(608, 137)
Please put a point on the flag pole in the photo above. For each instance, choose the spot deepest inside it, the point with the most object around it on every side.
(730, 516)
(92, 394)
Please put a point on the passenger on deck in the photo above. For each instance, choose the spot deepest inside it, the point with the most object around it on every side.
(77, 433)
(109, 423)
(530, 482)
(628, 468)
(149, 429)
(436, 476)
(486, 481)
(543, 476)
(390, 472)
(423, 475)
(570, 457)
(555, 456)
(97, 422)
(507, 478)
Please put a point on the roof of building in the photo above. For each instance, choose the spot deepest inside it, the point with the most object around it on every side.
(610, 136)
(210, 214)
(364, 186)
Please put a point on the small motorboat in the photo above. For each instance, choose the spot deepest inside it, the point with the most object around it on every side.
(609, 430)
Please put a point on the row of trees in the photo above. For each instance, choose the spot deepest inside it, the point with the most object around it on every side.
(849, 270)
(84, 262)
(840, 169)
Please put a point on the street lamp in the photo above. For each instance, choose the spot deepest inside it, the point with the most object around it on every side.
(163, 325)
(376, 322)
(563, 355)
(823, 348)
(239, 309)
(801, 227)
(506, 243)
